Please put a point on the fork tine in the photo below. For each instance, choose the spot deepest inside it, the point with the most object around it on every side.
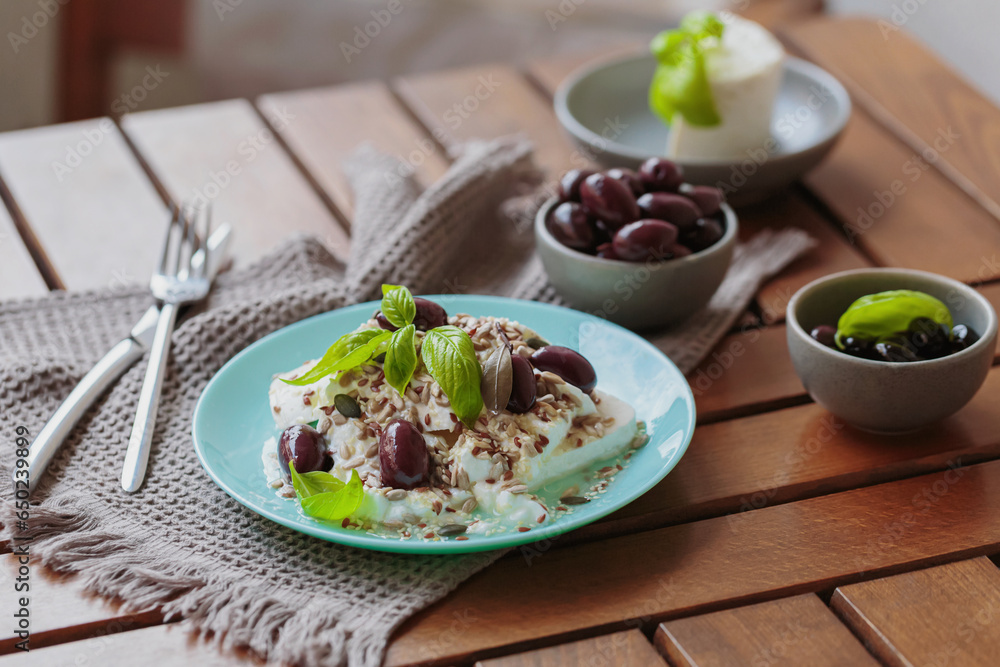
(206, 233)
(165, 256)
(185, 221)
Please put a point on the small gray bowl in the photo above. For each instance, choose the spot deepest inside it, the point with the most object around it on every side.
(879, 396)
(604, 108)
(636, 295)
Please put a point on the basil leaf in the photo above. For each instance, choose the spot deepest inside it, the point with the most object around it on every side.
(325, 497)
(400, 358)
(398, 305)
(350, 350)
(313, 483)
(450, 358)
(498, 380)
(680, 83)
(881, 315)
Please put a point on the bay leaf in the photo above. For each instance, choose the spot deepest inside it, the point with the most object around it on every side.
(498, 380)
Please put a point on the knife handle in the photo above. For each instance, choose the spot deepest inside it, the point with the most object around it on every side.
(90, 388)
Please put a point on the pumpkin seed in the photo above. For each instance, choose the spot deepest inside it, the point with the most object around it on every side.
(574, 500)
(451, 529)
(347, 406)
(537, 342)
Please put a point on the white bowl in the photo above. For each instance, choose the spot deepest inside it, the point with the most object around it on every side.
(637, 295)
(605, 110)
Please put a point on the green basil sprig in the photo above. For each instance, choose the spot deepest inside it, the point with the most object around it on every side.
(447, 352)
(450, 358)
(350, 351)
(401, 358)
(398, 305)
(680, 83)
(323, 496)
(883, 315)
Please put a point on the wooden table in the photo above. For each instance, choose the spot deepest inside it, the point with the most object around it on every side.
(783, 537)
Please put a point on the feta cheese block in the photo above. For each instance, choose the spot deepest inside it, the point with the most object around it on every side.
(485, 477)
(744, 73)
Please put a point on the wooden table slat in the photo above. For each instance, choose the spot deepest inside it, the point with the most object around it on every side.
(330, 123)
(898, 208)
(944, 615)
(621, 649)
(224, 153)
(19, 277)
(925, 102)
(793, 631)
(61, 610)
(805, 546)
(484, 102)
(88, 202)
(162, 645)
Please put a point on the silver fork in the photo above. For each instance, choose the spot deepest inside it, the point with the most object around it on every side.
(178, 281)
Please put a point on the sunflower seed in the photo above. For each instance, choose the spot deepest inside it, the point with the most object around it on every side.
(372, 451)
(517, 488)
(395, 494)
(346, 452)
(339, 419)
(469, 505)
(354, 463)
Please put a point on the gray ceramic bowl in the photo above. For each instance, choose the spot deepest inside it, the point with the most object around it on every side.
(879, 396)
(633, 294)
(605, 110)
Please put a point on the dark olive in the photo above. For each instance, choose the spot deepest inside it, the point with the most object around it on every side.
(660, 175)
(303, 445)
(572, 227)
(824, 334)
(403, 459)
(610, 200)
(669, 207)
(569, 184)
(568, 364)
(523, 387)
(645, 239)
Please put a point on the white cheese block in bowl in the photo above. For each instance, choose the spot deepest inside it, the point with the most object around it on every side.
(744, 72)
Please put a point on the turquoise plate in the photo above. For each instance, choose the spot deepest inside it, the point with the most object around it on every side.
(233, 418)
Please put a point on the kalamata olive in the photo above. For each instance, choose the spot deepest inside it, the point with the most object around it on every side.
(644, 239)
(607, 251)
(402, 453)
(609, 200)
(706, 198)
(893, 353)
(303, 445)
(629, 178)
(568, 364)
(676, 251)
(824, 334)
(707, 232)
(660, 175)
(522, 391)
(429, 315)
(569, 184)
(572, 227)
(669, 207)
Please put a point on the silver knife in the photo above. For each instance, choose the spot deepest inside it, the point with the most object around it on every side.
(106, 371)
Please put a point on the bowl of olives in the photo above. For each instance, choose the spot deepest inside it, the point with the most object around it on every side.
(641, 248)
(891, 350)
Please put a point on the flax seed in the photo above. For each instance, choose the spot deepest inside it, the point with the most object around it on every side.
(362, 382)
